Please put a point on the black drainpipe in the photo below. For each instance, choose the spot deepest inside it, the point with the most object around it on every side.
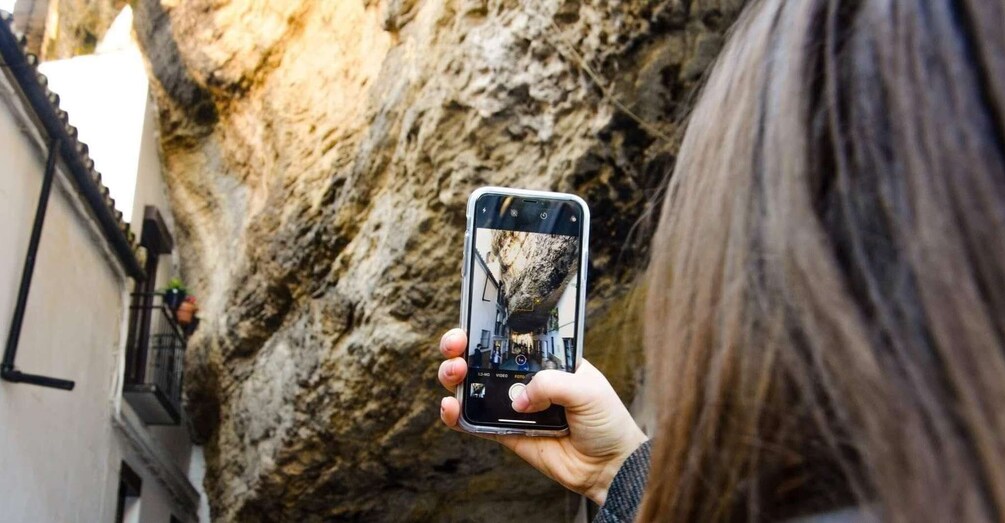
(7, 370)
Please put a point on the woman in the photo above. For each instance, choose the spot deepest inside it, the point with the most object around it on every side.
(496, 358)
(825, 321)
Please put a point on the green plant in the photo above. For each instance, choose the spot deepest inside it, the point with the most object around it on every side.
(175, 284)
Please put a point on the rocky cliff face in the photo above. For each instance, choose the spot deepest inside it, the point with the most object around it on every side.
(319, 155)
(534, 272)
(57, 29)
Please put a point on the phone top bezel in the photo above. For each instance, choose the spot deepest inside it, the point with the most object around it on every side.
(469, 425)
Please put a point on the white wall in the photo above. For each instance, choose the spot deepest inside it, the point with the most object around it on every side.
(567, 311)
(156, 505)
(196, 475)
(56, 451)
(151, 190)
(107, 97)
(60, 452)
(483, 309)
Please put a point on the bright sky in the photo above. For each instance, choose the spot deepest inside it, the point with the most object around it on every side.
(7, 5)
(483, 243)
(105, 95)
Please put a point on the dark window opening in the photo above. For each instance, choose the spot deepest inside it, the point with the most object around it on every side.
(128, 504)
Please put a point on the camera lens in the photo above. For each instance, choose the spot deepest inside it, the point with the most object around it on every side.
(544, 216)
(513, 213)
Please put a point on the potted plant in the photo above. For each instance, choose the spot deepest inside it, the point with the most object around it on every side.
(186, 311)
(174, 294)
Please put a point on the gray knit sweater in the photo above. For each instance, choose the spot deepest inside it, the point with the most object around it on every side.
(625, 494)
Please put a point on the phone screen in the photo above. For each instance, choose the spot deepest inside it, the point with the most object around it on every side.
(524, 267)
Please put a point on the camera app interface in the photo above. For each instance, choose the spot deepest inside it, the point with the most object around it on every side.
(524, 269)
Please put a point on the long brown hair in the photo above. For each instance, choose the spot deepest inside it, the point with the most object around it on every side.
(826, 297)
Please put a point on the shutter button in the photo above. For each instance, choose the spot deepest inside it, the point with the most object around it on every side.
(515, 390)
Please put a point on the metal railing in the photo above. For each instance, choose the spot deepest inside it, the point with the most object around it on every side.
(156, 350)
(167, 353)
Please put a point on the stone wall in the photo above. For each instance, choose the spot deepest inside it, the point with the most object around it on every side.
(57, 29)
(319, 155)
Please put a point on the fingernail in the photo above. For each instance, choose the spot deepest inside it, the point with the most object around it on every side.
(447, 338)
(521, 402)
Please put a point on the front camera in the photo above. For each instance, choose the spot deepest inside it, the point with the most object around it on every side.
(513, 213)
(544, 216)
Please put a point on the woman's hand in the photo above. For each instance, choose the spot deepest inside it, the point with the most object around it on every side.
(602, 434)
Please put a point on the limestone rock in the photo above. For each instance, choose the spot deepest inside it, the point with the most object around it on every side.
(534, 272)
(319, 155)
(57, 29)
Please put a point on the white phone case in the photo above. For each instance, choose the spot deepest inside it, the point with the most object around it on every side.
(466, 297)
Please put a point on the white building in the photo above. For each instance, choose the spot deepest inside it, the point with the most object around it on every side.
(113, 447)
(555, 343)
(488, 313)
(567, 321)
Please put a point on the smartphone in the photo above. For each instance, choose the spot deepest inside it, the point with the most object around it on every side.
(522, 303)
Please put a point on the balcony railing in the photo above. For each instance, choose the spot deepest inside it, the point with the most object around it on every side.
(154, 361)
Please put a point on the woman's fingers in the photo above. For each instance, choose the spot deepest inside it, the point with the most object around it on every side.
(554, 387)
(453, 370)
(452, 373)
(450, 410)
(453, 343)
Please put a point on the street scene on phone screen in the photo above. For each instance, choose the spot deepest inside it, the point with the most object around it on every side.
(523, 301)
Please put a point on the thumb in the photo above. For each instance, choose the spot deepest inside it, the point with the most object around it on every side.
(555, 387)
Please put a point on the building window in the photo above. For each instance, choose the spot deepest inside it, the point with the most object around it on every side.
(485, 289)
(500, 322)
(128, 506)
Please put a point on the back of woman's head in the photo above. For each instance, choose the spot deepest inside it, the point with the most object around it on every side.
(826, 320)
